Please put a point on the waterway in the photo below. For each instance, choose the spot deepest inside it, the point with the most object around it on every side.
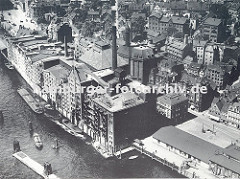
(73, 160)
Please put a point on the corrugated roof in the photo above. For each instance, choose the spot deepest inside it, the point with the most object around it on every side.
(186, 142)
(226, 162)
(233, 151)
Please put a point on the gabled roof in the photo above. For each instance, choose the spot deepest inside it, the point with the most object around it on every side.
(155, 14)
(179, 20)
(165, 19)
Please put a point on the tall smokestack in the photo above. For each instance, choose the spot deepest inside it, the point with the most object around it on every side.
(114, 48)
(65, 46)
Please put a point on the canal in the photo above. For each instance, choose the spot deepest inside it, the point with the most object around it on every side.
(73, 160)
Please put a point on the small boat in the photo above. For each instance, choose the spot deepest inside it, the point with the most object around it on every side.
(9, 66)
(37, 140)
(49, 107)
(133, 157)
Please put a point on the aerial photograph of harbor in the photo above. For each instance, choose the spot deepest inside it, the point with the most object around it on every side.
(119, 89)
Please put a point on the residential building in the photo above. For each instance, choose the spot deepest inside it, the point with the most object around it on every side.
(212, 29)
(199, 47)
(197, 100)
(220, 106)
(176, 49)
(168, 70)
(173, 106)
(218, 74)
(209, 55)
(233, 115)
(194, 69)
(160, 23)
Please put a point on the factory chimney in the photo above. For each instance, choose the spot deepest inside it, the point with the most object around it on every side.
(65, 46)
(114, 48)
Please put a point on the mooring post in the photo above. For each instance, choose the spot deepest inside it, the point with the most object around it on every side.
(47, 168)
(30, 126)
(16, 146)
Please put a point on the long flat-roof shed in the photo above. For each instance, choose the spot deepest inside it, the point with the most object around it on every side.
(186, 142)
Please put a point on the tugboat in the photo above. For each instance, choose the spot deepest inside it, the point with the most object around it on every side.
(37, 140)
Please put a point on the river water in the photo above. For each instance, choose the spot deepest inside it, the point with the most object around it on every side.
(73, 160)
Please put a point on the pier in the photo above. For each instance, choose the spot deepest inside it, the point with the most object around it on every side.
(36, 167)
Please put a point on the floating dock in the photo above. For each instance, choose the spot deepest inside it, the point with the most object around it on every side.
(123, 151)
(30, 100)
(36, 167)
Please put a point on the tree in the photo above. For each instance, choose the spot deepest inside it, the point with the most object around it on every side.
(219, 11)
(88, 29)
(138, 26)
(81, 15)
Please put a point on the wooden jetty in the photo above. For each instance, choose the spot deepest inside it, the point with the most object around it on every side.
(36, 167)
(30, 101)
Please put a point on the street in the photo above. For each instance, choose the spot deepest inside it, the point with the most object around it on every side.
(215, 133)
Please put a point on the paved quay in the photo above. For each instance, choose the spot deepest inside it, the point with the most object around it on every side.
(222, 135)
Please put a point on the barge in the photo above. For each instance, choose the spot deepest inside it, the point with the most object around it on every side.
(30, 100)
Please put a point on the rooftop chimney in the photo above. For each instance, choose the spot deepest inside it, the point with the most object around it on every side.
(114, 48)
(65, 46)
(185, 39)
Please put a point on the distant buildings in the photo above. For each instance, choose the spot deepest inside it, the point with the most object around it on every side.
(197, 100)
(233, 115)
(173, 106)
(160, 23)
(220, 106)
(218, 74)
